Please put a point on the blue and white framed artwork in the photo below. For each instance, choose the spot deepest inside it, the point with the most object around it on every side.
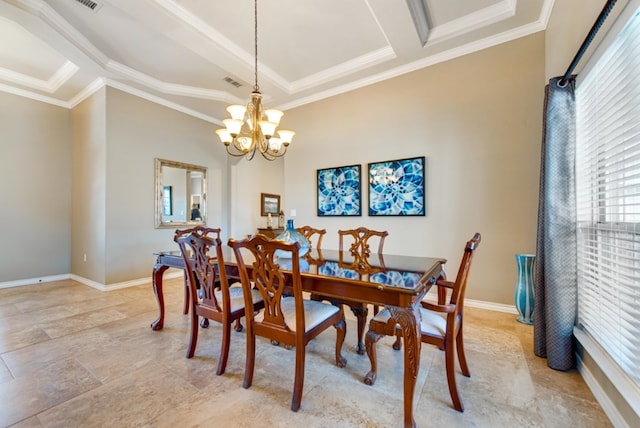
(397, 187)
(339, 191)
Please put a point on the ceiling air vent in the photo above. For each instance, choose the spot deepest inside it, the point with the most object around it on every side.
(233, 82)
(90, 4)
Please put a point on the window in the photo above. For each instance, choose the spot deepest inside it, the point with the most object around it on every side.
(608, 194)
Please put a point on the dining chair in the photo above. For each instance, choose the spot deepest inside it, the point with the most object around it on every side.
(288, 317)
(359, 247)
(312, 234)
(440, 325)
(359, 240)
(215, 300)
(204, 231)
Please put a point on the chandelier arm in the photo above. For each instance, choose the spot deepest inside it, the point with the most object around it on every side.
(250, 154)
(268, 157)
(271, 155)
(234, 154)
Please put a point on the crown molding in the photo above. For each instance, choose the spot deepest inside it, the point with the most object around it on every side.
(161, 101)
(61, 76)
(170, 88)
(34, 96)
(51, 85)
(545, 12)
(99, 83)
(39, 8)
(87, 91)
(422, 63)
(473, 21)
(344, 69)
(47, 14)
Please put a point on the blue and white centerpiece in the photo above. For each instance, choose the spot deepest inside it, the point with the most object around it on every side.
(290, 235)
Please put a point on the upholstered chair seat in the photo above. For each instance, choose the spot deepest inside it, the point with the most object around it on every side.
(441, 325)
(314, 313)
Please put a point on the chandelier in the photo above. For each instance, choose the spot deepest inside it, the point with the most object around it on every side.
(251, 128)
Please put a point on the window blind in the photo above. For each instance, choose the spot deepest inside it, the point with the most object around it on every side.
(608, 197)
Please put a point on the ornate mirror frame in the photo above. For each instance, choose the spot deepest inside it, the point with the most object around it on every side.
(179, 188)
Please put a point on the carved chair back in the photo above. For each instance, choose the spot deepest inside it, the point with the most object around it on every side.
(208, 288)
(359, 239)
(460, 284)
(312, 234)
(283, 320)
(196, 247)
(265, 275)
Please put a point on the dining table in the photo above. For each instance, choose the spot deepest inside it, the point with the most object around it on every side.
(398, 282)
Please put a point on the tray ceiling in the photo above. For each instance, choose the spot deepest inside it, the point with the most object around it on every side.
(183, 53)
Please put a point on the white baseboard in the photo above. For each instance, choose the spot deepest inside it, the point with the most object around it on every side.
(620, 381)
(177, 273)
(498, 307)
(480, 304)
(30, 281)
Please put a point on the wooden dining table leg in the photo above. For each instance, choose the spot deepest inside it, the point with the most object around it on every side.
(360, 311)
(408, 319)
(158, 271)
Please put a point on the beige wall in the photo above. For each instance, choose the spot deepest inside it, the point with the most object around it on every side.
(88, 186)
(139, 131)
(88, 228)
(477, 119)
(35, 189)
(247, 179)
(117, 137)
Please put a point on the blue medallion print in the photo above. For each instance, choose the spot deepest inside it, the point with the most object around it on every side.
(397, 187)
(339, 191)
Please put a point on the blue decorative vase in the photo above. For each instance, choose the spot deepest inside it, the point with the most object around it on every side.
(524, 299)
(290, 235)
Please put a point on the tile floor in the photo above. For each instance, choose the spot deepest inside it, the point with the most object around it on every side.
(72, 356)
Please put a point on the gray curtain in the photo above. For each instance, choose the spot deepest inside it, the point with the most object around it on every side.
(556, 276)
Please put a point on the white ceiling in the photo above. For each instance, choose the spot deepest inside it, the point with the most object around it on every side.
(178, 52)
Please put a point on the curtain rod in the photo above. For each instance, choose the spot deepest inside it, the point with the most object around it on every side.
(587, 41)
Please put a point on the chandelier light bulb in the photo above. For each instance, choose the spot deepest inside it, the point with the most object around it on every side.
(267, 128)
(224, 136)
(286, 136)
(233, 126)
(274, 115)
(237, 111)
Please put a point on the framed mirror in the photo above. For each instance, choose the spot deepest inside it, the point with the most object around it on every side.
(181, 194)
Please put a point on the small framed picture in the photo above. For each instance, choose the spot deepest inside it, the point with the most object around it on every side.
(397, 187)
(269, 204)
(339, 191)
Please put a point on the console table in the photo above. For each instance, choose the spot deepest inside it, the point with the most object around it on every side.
(270, 232)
